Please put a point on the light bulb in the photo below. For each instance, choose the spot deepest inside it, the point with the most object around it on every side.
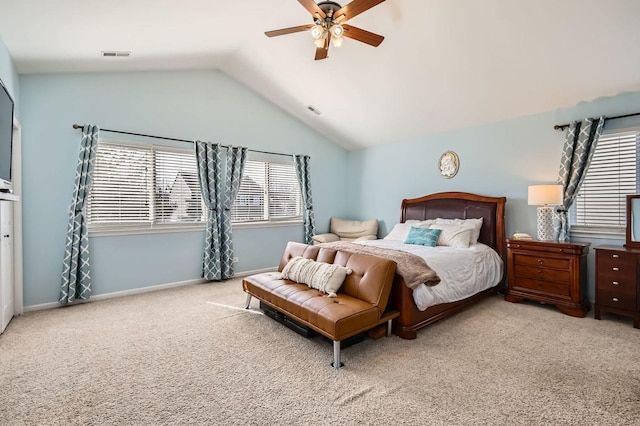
(337, 42)
(317, 31)
(319, 42)
(337, 30)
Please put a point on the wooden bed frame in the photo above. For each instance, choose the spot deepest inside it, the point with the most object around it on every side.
(449, 205)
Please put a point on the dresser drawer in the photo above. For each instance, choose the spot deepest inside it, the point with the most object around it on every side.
(616, 299)
(612, 283)
(543, 287)
(547, 274)
(539, 261)
(624, 264)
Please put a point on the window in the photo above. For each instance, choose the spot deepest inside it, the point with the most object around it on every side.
(150, 187)
(144, 186)
(269, 192)
(612, 175)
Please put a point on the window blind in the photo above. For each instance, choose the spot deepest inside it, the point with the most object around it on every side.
(138, 186)
(269, 192)
(611, 176)
(120, 186)
(142, 186)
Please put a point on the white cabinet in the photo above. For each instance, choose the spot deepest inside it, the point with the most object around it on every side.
(7, 289)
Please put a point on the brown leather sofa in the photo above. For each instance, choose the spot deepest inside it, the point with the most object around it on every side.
(360, 305)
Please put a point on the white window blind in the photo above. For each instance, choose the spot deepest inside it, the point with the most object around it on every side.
(120, 192)
(612, 175)
(143, 186)
(139, 186)
(269, 192)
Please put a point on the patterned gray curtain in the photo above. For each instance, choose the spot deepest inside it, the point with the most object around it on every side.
(209, 161)
(76, 270)
(579, 146)
(236, 158)
(304, 178)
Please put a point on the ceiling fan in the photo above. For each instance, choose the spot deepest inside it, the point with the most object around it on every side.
(328, 24)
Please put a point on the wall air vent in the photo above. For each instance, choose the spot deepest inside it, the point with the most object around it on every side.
(115, 53)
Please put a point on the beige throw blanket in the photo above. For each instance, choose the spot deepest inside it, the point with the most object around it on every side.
(412, 268)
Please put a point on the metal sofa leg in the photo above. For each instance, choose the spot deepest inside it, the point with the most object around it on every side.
(336, 364)
(247, 302)
(389, 329)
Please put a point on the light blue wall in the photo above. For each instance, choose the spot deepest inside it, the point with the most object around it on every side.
(500, 159)
(205, 105)
(9, 75)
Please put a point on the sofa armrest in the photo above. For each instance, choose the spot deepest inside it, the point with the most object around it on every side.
(325, 238)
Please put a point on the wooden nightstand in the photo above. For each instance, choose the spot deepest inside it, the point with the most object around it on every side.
(618, 282)
(549, 272)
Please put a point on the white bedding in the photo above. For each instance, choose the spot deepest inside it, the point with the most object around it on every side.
(463, 271)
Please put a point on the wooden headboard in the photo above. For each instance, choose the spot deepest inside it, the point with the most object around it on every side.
(462, 205)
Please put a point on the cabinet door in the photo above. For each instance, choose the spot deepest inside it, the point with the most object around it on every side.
(6, 262)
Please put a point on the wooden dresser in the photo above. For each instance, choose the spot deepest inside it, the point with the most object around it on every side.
(549, 272)
(618, 282)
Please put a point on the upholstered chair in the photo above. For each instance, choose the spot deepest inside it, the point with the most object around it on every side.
(349, 230)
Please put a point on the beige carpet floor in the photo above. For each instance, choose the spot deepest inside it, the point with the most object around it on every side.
(189, 356)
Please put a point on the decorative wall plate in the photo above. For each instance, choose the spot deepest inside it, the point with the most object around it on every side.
(449, 164)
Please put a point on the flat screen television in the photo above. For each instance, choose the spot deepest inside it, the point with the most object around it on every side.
(6, 138)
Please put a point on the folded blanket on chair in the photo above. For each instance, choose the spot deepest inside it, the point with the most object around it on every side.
(412, 268)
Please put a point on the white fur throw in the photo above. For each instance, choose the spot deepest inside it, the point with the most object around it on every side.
(324, 277)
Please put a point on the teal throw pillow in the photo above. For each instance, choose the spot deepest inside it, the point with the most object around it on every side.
(423, 236)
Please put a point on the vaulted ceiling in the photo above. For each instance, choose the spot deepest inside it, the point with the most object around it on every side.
(444, 64)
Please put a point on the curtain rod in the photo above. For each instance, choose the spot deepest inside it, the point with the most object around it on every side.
(563, 126)
(77, 126)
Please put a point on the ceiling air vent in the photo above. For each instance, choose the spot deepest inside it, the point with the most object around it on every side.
(115, 53)
(314, 110)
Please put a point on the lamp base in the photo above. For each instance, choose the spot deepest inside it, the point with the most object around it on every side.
(545, 223)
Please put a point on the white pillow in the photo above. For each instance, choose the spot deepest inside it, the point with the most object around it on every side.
(325, 277)
(401, 230)
(475, 224)
(453, 235)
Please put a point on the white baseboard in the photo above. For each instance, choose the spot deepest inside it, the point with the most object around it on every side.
(131, 292)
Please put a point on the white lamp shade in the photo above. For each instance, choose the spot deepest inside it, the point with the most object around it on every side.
(317, 31)
(545, 195)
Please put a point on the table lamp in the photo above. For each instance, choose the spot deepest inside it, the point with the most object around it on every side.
(545, 196)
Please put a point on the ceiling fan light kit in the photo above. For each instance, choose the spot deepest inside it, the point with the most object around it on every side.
(328, 24)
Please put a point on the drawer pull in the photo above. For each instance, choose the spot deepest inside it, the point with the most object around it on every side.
(615, 256)
(615, 299)
(616, 269)
(539, 261)
(615, 283)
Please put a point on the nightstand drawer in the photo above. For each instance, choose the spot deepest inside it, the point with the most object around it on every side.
(543, 287)
(616, 299)
(546, 274)
(548, 247)
(539, 261)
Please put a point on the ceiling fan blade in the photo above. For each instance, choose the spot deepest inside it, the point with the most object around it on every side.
(313, 8)
(362, 35)
(322, 52)
(356, 7)
(284, 31)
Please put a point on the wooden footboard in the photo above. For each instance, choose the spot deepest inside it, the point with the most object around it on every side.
(412, 319)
